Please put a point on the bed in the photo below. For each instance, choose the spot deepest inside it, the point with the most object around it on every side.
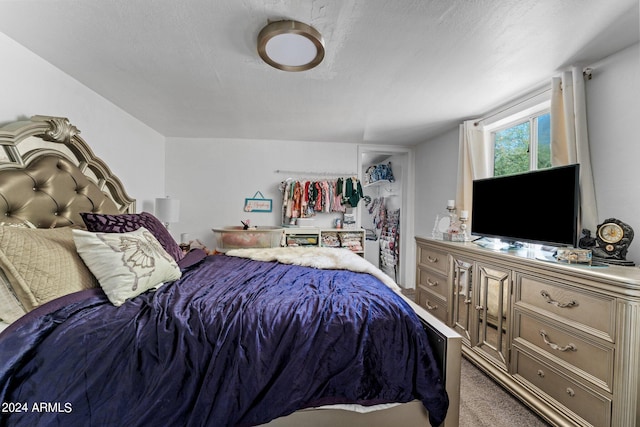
(107, 322)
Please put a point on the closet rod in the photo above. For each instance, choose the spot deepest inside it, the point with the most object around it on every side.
(311, 173)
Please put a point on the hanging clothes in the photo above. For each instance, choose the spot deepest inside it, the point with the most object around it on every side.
(305, 198)
(353, 191)
(390, 243)
(336, 204)
(296, 209)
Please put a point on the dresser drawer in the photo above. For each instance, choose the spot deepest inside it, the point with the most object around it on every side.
(433, 259)
(433, 303)
(592, 407)
(594, 360)
(588, 310)
(432, 282)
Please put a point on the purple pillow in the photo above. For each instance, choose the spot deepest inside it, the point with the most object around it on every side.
(191, 258)
(122, 223)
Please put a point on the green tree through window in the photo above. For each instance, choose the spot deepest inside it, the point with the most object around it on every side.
(522, 147)
(544, 141)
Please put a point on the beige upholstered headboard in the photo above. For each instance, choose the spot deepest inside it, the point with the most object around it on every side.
(48, 175)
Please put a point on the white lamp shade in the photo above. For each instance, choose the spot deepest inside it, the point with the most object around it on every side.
(168, 210)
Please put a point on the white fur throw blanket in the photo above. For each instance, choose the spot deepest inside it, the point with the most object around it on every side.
(317, 257)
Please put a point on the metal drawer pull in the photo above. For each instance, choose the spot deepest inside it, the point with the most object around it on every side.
(570, 392)
(479, 307)
(431, 259)
(540, 373)
(546, 296)
(430, 283)
(569, 347)
(431, 307)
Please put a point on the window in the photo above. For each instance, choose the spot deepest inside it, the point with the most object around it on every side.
(522, 144)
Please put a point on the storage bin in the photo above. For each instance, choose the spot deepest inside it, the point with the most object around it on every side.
(236, 237)
(305, 222)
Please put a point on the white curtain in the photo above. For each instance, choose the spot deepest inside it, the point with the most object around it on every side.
(569, 138)
(474, 162)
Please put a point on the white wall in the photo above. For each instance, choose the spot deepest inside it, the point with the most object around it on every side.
(31, 86)
(212, 178)
(613, 109)
(436, 172)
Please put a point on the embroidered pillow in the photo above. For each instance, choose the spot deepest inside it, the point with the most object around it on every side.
(126, 264)
(122, 223)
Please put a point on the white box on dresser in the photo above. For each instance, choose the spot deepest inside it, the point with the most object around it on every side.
(564, 338)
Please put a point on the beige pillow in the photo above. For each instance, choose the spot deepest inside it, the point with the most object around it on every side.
(42, 264)
(126, 264)
(10, 307)
(22, 223)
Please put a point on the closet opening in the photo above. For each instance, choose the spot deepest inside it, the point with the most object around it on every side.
(384, 212)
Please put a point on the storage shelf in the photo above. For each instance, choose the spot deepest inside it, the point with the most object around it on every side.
(326, 237)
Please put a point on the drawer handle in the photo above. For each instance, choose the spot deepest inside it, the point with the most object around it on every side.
(569, 304)
(431, 307)
(540, 373)
(432, 283)
(479, 308)
(569, 347)
(570, 392)
(432, 259)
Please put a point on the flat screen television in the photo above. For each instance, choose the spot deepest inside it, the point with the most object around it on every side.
(536, 207)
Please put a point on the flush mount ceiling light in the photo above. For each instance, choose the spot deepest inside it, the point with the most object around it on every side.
(290, 45)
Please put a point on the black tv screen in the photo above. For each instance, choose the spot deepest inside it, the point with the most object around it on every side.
(537, 207)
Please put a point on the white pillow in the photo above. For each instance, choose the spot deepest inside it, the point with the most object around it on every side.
(126, 264)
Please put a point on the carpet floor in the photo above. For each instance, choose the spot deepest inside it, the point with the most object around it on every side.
(484, 403)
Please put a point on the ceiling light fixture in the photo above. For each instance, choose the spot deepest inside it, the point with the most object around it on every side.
(290, 45)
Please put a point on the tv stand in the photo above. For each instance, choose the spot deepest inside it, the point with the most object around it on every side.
(563, 338)
(497, 244)
(611, 261)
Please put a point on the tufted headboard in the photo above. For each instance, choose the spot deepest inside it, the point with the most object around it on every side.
(48, 175)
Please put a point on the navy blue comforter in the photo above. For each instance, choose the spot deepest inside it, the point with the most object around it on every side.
(233, 342)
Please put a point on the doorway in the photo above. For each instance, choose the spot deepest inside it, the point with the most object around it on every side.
(387, 213)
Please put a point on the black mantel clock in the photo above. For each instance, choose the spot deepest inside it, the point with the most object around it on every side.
(612, 241)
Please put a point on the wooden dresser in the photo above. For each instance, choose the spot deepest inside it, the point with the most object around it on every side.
(563, 338)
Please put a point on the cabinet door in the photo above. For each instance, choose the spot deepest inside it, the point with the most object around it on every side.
(461, 298)
(493, 287)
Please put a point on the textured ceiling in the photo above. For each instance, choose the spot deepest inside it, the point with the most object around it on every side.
(395, 72)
